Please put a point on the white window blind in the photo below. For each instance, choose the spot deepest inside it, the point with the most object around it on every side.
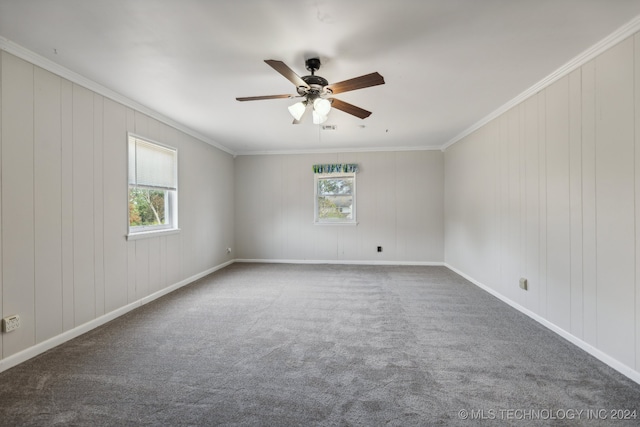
(152, 165)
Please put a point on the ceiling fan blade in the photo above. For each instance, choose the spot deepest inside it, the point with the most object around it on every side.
(287, 72)
(258, 98)
(361, 82)
(350, 108)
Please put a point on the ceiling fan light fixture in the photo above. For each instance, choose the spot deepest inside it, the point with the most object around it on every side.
(297, 110)
(318, 119)
(317, 92)
(322, 106)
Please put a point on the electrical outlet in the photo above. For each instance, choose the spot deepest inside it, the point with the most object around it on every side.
(10, 323)
(379, 248)
(228, 250)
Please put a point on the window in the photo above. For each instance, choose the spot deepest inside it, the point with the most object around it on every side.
(335, 198)
(153, 187)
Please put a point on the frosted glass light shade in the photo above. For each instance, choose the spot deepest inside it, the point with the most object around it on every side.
(297, 110)
(322, 106)
(319, 118)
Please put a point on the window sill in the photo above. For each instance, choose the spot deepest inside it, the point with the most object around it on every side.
(150, 234)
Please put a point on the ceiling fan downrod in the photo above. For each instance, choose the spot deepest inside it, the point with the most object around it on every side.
(312, 64)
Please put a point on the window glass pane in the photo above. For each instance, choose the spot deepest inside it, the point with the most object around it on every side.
(335, 207)
(331, 186)
(147, 207)
(335, 198)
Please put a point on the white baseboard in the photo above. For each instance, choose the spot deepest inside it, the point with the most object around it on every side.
(341, 262)
(598, 354)
(33, 351)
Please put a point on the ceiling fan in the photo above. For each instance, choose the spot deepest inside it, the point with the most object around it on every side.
(317, 92)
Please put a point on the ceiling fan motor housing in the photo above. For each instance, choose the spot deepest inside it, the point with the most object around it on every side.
(316, 84)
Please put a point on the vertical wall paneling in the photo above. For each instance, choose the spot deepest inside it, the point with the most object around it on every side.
(197, 257)
(114, 158)
(492, 222)
(404, 220)
(575, 191)
(155, 278)
(522, 193)
(454, 165)
(83, 207)
(514, 264)
(503, 196)
(142, 268)
(184, 199)
(18, 276)
(582, 130)
(47, 205)
(490, 138)
(615, 202)
(542, 152)
(430, 244)
(416, 225)
(66, 179)
(368, 219)
(636, 77)
(1, 291)
(163, 263)
(299, 169)
(558, 210)
(173, 258)
(377, 172)
(532, 202)
(98, 203)
(589, 241)
(274, 208)
(580, 203)
(65, 260)
(266, 241)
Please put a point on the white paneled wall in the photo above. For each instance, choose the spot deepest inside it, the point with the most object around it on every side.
(64, 256)
(550, 191)
(399, 207)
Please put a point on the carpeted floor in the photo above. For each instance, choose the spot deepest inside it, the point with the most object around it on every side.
(319, 345)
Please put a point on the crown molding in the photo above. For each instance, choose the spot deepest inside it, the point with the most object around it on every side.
(608, 42)
(51, 66)
(338, 150)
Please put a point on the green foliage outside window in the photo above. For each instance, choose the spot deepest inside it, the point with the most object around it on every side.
(146, 207)
(334, 208)
(335, 186)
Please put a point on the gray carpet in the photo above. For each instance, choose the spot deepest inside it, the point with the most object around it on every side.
(319, 345)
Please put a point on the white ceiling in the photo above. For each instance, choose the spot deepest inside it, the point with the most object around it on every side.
(447, 63)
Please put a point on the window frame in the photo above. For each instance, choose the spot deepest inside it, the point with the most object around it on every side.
(170, 197)
(318, 221)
